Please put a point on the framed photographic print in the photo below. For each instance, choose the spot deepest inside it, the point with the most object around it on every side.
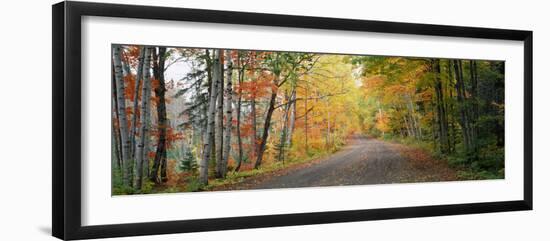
(169, 120)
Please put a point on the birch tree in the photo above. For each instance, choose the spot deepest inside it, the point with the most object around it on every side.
(228, 114)
(122, 120)
(139, 76)
(116, 130)
(240, 77)
(219, 121)
(211, 121)
(141, 151)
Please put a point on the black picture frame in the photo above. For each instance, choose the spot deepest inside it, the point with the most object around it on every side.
(66, 129)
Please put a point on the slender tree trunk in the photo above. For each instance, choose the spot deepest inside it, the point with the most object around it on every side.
(254, 136)
(114, 142)
(220, 123)
(116, 129)
(292, 119)
(228, 114)
(450, 108)
(415, 126)
(306, 118)
(462, 105)
(141, 151)
(380, 114)
(328, 144)
(160, 156)
(436, 133)
(267, 124)
(126, 72)
(407, 127)
(207, 149)
(441, 114)
(212, 135)
(122, 120)
(239, 102)
(139, 76)
(206, 135)
(284, 129)
(474, 104)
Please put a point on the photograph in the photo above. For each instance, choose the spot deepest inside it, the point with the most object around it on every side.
(189, 119)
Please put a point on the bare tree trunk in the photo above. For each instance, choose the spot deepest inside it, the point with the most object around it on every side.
(306, 119)
(292, 119)
(219, 129)
(254, 126)
(141, 151)
(413, 121)
(139, 76)
(239, 102)
(206, 137)
(116, 130)
(160, 156)
(228, 114)
(126, 71)
(284, 129)
(407, 127)
(122, 120)
(380, 114)
(254, 114)
(207, 149)
(328, 128)
(212, 135)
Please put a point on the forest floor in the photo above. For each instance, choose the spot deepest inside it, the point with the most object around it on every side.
(363, 161)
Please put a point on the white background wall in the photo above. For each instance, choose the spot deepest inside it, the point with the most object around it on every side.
(25, 125)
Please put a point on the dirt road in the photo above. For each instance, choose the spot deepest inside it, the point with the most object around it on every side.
(363, 161)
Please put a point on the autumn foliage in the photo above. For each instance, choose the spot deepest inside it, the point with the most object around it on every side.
(289, 107)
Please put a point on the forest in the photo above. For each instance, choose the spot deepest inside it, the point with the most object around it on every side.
(196, 119)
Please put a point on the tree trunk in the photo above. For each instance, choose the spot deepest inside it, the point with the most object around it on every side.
(212, 135)
(207, 149)
(462, 105)
(116, 130)
(328, 141)
(292, 119)
(474, 104)
(407, 127)
(254, 137)
(160, 155)
(126, 71)
(122, 120)
(306, 119)
(441, 112)
(239, 102)
(414, 122)
(228, 114)
(267, 123)
(284, 129)
(380, 114)
(141, 151)
(139, 76)
(450, 108)
(205, 135)
(220, 124)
